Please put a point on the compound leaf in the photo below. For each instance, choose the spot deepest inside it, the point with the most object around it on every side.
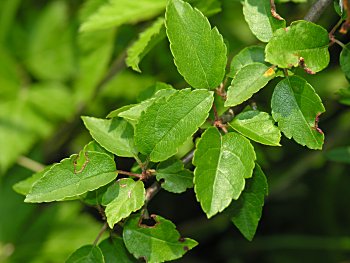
(303, 43)
(74, 176)
(123, 198)
(167, 123)
(176, 178)
(296, 107)
(115, 135)
(248, 80)
(199, 51)
(258, 15)
(257, 126)
(147, 40)
(245, 57)
(222, 164)
(158, 243)
(246, 211)
(88, 253)
(117, 12)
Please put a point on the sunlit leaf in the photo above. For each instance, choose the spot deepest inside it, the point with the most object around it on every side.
(296, 107)
(168, 122)
(117, 12)
(248, 80)
(74, 176)
(223, 162)
(258, 15)
(200, 58)
(257, 126)
(123, 198)
(302, 43)
(115, 135)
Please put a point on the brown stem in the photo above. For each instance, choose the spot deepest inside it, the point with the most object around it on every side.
(274, 12)
(130, 174)
(317, 9)
(30, 164)
(188, 157)
(152, 191)
(103, 229)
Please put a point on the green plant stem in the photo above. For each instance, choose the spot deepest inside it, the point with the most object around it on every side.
(317, 10)
(30, 164)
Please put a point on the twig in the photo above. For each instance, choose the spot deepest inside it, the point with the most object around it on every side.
(188, 157)
(274, 12)
(103, 229)
(152, 191)
(130, 174)
(317, 9)
(30, 164)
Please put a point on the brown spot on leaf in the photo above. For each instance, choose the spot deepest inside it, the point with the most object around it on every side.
(304, 67)
(149, 222)
(269, 72)
(182, 239)
(186, 248)
(75, 163)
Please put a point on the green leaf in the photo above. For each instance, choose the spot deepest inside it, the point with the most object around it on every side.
(94, 198)
(117, 12)
(257, 126)
(133, 114)
(344, 61)
(340, 154)
(248, 80)
(246, 211)
(115, 135)
(147, 40)
(258, 15)
(176, 178)
(74, 176)
(246, 56)
(7, 15)
(10, 80)
(157, 243)
(123, 198)
(152, 91)
(87, 254)
(21, 125)
(114, 250)
(222, 164)
(60, 106)
(200, 57)
(94, 51)
(344, 96)
(23, 187)
(50, 46)
(167, 123)
(302, 39)
(208, 7)
(295, 106)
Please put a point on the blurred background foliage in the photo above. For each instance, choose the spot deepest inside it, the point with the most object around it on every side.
(50, 74)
